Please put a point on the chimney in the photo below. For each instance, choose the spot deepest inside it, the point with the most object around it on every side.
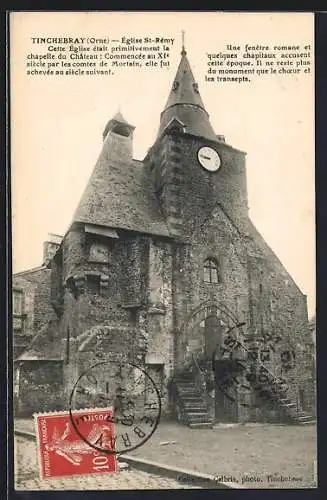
(50, 246)
(118, 138)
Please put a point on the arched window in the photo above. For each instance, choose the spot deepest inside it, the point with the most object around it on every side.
(211, 272)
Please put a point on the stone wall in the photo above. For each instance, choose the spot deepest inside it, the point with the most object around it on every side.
(40, 386)
(255, 289)
(188, 193)
(159, 314)
(35, 286)
(118, 307)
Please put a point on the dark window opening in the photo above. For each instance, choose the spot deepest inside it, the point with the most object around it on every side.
(93, 283)
(121, 130)
(211, 273)
(18, 303)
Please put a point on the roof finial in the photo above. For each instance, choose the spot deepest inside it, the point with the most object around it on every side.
(183, 41)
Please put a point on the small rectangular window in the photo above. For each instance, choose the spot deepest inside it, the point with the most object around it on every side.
(18, 303)
(211, 271)
(93, 283)
(206, 276)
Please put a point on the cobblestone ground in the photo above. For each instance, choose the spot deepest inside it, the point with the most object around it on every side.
(248, 451)
(27, 476)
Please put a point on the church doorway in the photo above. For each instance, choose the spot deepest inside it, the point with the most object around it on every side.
(205, 332)
(213, 335)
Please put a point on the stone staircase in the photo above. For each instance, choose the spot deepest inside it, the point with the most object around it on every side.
(288, 405)
(281, 395)
(296, 416)
(191, 404)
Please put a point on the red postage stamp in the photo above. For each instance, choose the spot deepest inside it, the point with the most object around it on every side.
(61, 450)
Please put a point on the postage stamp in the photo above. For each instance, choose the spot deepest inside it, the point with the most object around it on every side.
(130, 391)
(62, 452)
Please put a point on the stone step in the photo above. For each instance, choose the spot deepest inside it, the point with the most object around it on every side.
(193, 409)
(289, 405)
(187, 387)
(308, 422)
(195, 405)
(192, 400)
(193, 394)
(197, 416)
(200, 425)
(303, 418)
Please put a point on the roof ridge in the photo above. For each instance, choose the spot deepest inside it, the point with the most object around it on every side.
(31, 270)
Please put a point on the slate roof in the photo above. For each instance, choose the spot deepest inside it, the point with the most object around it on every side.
(121, 195)
(185, 103)
(258, 240)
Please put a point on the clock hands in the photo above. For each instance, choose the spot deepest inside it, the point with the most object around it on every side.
(209, 158)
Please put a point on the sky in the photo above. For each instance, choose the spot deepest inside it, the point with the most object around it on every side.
(57, 123)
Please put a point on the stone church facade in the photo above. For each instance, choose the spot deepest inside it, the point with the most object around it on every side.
(161, 263)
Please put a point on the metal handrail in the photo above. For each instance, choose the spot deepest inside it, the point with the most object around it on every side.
(198, 368)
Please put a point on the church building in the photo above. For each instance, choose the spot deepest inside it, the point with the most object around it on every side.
(162, 263)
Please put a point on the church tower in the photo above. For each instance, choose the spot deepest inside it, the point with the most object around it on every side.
(192, 168)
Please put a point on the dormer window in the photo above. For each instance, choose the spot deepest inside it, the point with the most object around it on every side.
(196, 87)
(175, 125)
(211, 272)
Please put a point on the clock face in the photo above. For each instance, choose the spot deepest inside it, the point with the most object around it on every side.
(209, 159)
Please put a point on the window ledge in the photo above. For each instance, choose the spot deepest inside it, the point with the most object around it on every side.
(157, 309)
(131, 305)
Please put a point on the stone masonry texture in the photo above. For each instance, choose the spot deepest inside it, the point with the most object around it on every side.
(128, 277)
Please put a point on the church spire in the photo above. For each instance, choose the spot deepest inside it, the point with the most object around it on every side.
(184, 102)
(183, 53)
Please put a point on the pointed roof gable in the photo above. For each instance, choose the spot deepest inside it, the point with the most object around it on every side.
(185, 104)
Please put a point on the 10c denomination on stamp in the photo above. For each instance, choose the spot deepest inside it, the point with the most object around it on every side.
(62, 452)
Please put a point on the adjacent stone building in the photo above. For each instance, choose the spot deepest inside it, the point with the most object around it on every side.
(162, 263)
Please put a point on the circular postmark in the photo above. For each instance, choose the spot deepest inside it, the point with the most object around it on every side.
(240, 369)
(131, 397)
